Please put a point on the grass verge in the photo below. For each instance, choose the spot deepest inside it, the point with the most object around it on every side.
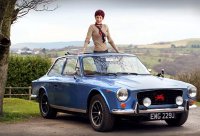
(18, 110)
(198, 104)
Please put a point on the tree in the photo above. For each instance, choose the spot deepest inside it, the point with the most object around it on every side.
(10, 11)
(173, 46)
(43, 51)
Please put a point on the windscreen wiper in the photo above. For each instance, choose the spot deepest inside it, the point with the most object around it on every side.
(105, 73)
(126, 73)
(109, 74)
(100, 73)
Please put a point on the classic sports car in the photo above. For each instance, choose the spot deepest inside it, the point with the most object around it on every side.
(106, 86)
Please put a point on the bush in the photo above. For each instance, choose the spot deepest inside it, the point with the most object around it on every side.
(24, 69)
(192, 77)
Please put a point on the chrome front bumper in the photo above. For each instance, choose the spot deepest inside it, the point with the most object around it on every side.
(179, 109)
(33, 96)
(136, 111)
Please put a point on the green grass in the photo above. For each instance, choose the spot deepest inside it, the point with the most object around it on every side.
(198, 104)
(19, 110)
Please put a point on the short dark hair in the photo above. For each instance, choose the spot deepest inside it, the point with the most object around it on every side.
(99, 13)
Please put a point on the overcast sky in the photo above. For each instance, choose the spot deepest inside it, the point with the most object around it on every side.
(129, 21)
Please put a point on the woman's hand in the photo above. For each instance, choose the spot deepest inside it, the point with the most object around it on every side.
(117, 51)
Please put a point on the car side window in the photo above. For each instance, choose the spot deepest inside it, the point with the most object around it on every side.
(89, 64)
(57, 67)
(70, 67)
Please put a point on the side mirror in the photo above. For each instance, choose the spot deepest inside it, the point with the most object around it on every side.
(150, 70)
(77, 70)
(162, 74)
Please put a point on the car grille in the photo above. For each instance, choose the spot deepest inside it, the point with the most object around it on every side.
(159, 97)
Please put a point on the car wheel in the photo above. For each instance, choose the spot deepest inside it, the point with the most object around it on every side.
(99, 114)
(181, 118)
(45, 110)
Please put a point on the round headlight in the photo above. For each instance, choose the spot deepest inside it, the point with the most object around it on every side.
(179, 100)
(146, 102)
(192, 91)
(122, 94)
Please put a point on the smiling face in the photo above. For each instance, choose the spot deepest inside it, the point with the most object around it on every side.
(99, 19)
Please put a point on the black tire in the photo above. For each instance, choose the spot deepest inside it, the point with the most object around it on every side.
(99, 114)
(181, 118)
(45, 110)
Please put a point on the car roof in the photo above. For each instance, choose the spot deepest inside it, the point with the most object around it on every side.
(97, 54)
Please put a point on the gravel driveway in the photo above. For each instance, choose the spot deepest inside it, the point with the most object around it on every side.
(70, 125)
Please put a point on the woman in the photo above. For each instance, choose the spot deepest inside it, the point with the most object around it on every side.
(99, 32)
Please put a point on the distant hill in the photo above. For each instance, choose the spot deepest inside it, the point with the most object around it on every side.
(58, 45)
(179, 43)
(48, 45)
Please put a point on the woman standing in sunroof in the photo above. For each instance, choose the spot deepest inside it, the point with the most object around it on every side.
(99, 33)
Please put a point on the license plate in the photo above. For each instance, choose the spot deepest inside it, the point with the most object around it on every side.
(162, 115)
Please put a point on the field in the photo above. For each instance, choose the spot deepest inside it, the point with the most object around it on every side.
(151, 56)
(176, 44)
(198, 104)
(19, 109)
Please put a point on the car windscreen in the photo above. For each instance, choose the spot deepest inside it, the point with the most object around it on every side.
(113, 65)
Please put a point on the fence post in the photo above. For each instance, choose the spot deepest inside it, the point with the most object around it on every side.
(10, 92)
(29, 92)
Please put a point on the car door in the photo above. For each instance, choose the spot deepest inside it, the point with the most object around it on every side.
(66, 95)
(54, 77)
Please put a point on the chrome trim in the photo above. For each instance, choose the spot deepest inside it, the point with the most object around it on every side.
(134, 111)
(68, 109)
(136, 107)
(193, 106)
(54, 64)
(179, 109)
(33, 96)
(117, 94)
(123, 112)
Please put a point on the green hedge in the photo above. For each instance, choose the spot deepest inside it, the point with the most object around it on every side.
(24, 69)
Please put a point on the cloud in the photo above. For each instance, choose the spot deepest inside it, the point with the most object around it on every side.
(130, 21)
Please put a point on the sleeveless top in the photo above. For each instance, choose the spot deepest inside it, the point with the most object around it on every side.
(99, 44)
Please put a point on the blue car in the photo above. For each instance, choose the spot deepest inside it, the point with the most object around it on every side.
(107, 86)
